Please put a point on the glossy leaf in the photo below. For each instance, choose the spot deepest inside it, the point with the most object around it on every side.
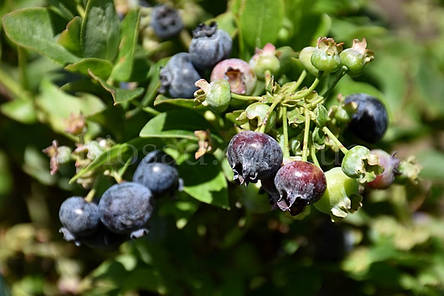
(260, 21)
(70, 38)
(100, 33)
(33, 29)
(129, 31)
(205, 181)
(119, 95)
(101, 68)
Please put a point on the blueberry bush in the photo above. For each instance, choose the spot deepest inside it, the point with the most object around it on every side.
(241, 147)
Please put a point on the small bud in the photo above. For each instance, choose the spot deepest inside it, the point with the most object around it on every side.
(58, 155)
(76, 124)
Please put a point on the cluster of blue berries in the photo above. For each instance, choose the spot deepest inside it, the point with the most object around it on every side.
(209, 46)
(124, 209)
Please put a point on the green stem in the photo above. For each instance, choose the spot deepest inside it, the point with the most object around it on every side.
(22, 59)
(90, 195)
(276, 101)
(285, 131)
(313, 156)
(185, 38)
(306, 134)
(338, 77)
(306, 92)
(245, 98)
(300, 79)
(13, 87)
(334, 139)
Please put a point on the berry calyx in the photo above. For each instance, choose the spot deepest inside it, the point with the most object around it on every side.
(360, 164)
(238, 73)
(370, 120)
(253, 156)
(299, 183)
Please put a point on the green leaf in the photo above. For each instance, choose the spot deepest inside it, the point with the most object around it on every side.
(129, 31)
(33, 29)
(101, 68)
(70, 38)
(260, 21)
(186, 103)
(58, 106)
(205, 181)
(117, 154)
(20, 110)
(175, 124)
(119, 95)
(100, 34)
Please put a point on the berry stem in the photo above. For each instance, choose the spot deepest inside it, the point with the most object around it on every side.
(185, 38)
(338, 77)
(285, 131)
(305, 92)
(245, 98)
(306, 134)
(313, 156)
(89, 197)
(276, 101)
(334, 139)
(300, 79)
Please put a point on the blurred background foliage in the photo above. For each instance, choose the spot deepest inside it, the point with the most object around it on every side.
(393, 246)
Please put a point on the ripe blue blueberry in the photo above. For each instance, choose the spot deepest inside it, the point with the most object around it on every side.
(166, 21)
(158, 177)
(253, 156)
(299, 184)
(370, 120)
(209, 46)
(125, 209)
(177, 78)
(158, 156)
(78, 217)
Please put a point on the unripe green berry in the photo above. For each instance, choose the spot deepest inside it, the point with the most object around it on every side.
(360, 164)
(265, 60)
(219, 96)
(305, 58)
(341, 197)
(325, 62)
(353, 60)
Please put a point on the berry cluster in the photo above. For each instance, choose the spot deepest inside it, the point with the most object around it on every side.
(209, 45)
(124, 209)
(288, 116)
